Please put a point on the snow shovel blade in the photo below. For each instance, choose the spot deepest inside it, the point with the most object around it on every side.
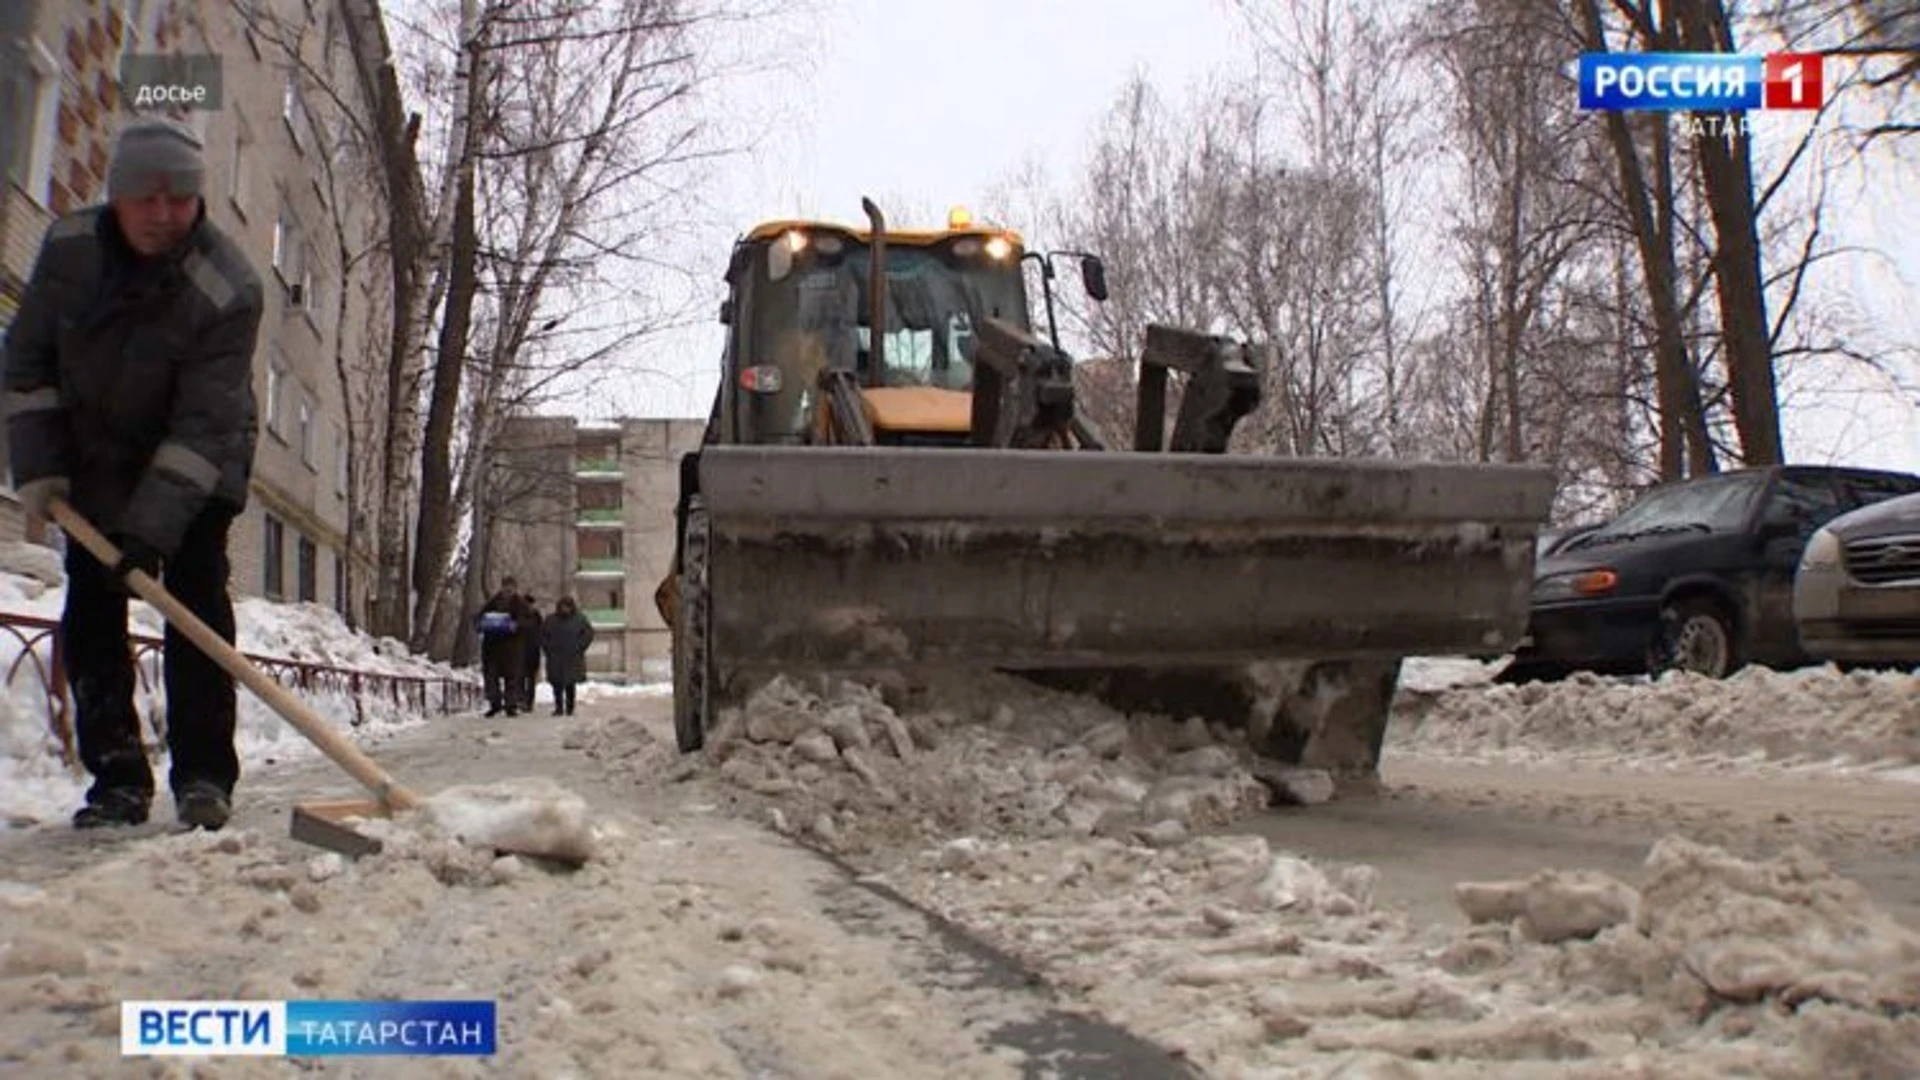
(329, 825)
(847, 557)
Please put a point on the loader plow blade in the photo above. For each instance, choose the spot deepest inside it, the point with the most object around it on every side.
(850, 557)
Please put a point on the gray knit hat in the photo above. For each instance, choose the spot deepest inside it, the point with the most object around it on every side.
(151, 152)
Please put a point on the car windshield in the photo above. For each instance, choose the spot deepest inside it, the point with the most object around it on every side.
(1719, 504)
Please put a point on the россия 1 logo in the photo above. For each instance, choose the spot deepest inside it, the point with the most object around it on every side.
(1701, 82)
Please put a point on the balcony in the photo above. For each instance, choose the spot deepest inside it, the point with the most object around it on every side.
(597, 469)
(600, 517)
(613, 567)
(606, 618)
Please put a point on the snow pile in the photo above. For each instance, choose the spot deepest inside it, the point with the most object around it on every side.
(35, 786)
(1786, 930)
(858, 768)
(313, 634)
(1813, 717)
(628, 747)
(531, 816)
(1777, 965)
(1250, 959)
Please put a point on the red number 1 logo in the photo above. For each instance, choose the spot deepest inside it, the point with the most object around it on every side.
(1794, 81)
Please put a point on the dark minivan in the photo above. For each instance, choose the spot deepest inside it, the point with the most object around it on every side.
(1696, 574)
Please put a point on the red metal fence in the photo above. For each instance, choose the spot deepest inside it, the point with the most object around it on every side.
(39, 654)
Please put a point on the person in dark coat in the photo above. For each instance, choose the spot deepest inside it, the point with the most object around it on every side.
(565, 640)
(530, 657)
(129, 393)
(503, 624)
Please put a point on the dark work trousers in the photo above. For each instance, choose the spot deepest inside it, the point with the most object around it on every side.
(99, 663)
(563, 698)
(530, 669)
(500, 668)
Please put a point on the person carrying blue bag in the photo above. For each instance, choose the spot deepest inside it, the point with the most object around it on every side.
(504, 624)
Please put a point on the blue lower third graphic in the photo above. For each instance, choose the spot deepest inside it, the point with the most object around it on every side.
(324, 1028)
(307, 1028)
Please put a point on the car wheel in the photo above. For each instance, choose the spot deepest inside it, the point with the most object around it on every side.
(1697, 635)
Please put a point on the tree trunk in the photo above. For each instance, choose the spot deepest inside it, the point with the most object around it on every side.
(400, 172)
(346, 378)
(433, 543)
(413, 319)
(1727, 167)
(1512, 319)
(1690, 410)
(1682, 418)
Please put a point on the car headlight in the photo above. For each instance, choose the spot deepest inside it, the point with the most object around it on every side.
(1823, 552)
(1596, 582)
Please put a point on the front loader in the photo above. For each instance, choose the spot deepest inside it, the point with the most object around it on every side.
(893, 476)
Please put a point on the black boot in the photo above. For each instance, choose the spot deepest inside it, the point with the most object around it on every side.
(202, 805)
(114, 806)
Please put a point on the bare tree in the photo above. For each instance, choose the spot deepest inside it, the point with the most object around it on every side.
(1726, 165)
(421, 247)
(433, 533)
(1648, 204)
(583, 143)
(1526, 214)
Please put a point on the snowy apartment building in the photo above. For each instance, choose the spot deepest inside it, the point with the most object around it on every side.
(275, 182)
(587, 510)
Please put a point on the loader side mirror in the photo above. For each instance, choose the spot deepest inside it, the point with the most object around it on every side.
(1093, 273)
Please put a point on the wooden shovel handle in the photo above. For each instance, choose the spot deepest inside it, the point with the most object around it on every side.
(292, 709)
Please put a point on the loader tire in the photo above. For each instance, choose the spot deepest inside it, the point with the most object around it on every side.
(693, 690)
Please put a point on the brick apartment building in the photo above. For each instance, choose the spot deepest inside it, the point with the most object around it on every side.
(276, 182)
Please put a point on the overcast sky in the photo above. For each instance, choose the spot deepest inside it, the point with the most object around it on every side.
(928, 103)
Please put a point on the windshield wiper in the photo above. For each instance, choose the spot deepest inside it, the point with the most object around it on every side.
(1598, 539)
(1674, 527)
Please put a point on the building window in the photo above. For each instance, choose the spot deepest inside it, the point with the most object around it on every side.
(339, 583)
(290, 258)
(340, 449)
(240, 180)
(309, 570)
(309, 301)
(293, 109)
(30, 97)
(276, 389)
(138, 17)
(273, 579)
(305, 430)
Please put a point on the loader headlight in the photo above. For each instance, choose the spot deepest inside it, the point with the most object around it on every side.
(1596, 582)
(998, 248)
(1823, 552)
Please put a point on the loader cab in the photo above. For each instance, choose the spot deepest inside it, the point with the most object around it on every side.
(797, 305)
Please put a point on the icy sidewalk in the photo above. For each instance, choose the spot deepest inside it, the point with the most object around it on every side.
(697, 945)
